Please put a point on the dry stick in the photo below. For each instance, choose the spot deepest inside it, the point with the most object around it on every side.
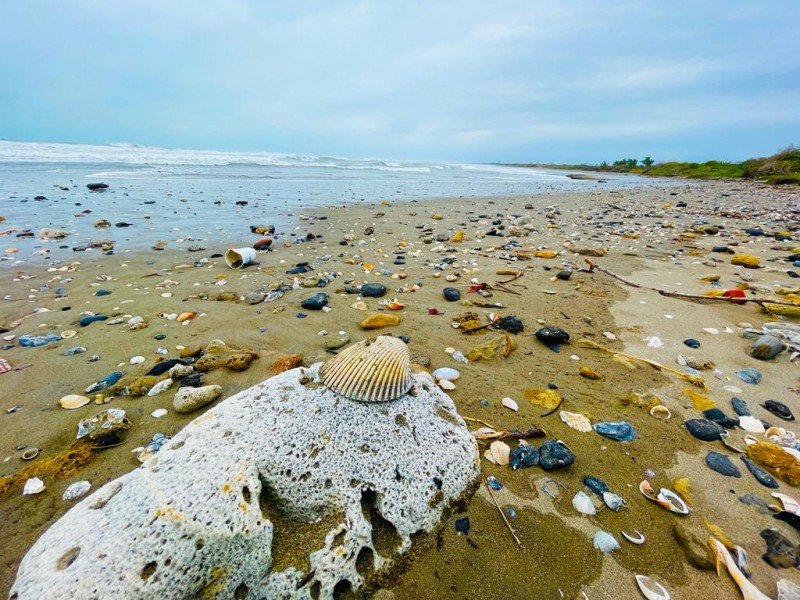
(502, 514)
(593, 266)
(517, 275)
(478, 421)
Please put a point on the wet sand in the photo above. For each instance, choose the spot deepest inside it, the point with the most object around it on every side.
(641, 230)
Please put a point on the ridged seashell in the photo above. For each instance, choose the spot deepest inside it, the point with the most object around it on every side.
(501, 452)
(71, 401)
(370, 371)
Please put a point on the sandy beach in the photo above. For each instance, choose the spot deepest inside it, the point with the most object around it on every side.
(656, 238)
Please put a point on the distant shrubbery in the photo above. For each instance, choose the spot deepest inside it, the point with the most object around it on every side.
(780, 168)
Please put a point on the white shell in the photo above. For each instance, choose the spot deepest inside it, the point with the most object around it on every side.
(660, 411)
(370, 371)
(605, 542)
(447, 385)
(136, 360)
(71, 401)
(510, 403)
(161, 386)
(634, 540)
(576, 420)
(501, 452)
(613, 501)
(651, 589)
(446, 373)
(76, 490)
(676, 502)
(583, 504)
(158, 413)
(751, 424)
(33, 486)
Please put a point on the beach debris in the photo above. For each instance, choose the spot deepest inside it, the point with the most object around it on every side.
(552, 337)
(751, 424)
(704, 429)
(72, 401)
(588, 373)
(722, 464)
(740, 407)
(699, 401)
(489, 433)
(487, 350)
(745, 260)
(693, 379)
(779, 409)
(583, 504)
(104, 428)
(104, 382)
(546, 398)
(621, 431)
(781, 552)
(638, 540)
(34, 485)
(489, 488)
(370, 371)
(577, 421)
(665, 498)
(378, 321)
(524, 456)
(613, 501)
(789, 504)
(555, 454)
(510, 403)
(605, 542)
(189, 399)
(749, 375)
(776, 460)
(660, 411)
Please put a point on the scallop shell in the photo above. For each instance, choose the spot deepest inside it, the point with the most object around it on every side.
(71, 401)
(370, 371)
(501, 452)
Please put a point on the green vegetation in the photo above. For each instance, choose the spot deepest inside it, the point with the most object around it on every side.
(780, 168)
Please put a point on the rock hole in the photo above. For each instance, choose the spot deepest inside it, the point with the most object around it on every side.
(338, 539)
(328, 484)
(176, 445)
(385, 538)
(315, 590)
(199, 544)
(227, 434)
(148, 570)
(341, 588)
(400, 420)
(241, 592)
(68, 558)
(246, 494)
(365, 562)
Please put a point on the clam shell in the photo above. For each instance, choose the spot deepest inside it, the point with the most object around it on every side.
(370, 371)
(71, 401)
(33, 486)
(576, 420)
(510, 403)
(501, 452)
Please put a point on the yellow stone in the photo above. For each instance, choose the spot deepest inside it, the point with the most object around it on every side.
(746, 260)
(377, 321)
(545, 254)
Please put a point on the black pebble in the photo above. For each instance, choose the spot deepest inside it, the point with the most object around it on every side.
(555, 455)
(692, 343)
(705, 430)
(373, 290)
(451, 294)
(722, 464)
(315, 302)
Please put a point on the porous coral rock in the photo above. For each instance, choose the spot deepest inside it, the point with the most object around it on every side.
(195, 518)
(218, 354)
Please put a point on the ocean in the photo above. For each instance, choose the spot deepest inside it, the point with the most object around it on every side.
(194, 196)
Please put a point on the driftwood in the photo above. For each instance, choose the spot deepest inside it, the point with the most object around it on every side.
(593, 266)
(533, 432)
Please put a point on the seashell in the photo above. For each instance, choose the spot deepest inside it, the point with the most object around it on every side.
(161, 386)
(33, 486)
(136, 360)
(71, 401)
(446, 373)
(186, 316)
(613, 501)
(605, 542)
(76, 490)
(583, 504)
(4, 366)
(446, 384)
(576, 420)
(660, 412)
(634, 540)
(789, 504)
(665, 498)
(510, 403)
(370, 371)
(158, 413)
(501, 452)
(69, 333)
(751, 424)
(651, 589)
(360, 305)
(32, 453)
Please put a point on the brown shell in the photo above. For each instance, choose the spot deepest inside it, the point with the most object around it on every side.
(370, 371)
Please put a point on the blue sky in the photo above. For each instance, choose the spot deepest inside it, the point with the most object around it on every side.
(533, 80)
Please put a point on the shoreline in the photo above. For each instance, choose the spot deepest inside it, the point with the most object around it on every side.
(585, 305)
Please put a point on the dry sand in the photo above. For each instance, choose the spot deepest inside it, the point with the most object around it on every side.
(556, 556)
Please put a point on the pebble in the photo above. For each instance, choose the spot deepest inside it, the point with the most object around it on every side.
(692, 343)
(137, 360)
(315, 302)
(451, 294)
(494, 483)
(188, 399)
(552, 337)
(761, 475)
(446, 373)
(159, 412)
(766, 347)
(332, 343)
(76, 490)
(620, 431)
(598, 486)
(373, 290)
(705, 430)
(88, 320)
(523, 456)
(716, 415)
(722, 464)
(749, 375)
(605, 542)
(740, 407)
(554, 454)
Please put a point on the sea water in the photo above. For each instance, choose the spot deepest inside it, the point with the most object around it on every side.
(193, 196)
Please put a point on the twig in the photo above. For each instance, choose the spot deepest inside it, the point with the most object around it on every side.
(552, 410)
(502, 514)
(477, 421)
(533, 432)
(593, 266)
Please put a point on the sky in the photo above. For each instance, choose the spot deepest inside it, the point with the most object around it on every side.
(518, 81)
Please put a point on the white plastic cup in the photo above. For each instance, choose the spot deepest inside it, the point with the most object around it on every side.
(236, 258)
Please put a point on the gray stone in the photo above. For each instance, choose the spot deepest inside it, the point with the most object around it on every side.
(194, 519)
